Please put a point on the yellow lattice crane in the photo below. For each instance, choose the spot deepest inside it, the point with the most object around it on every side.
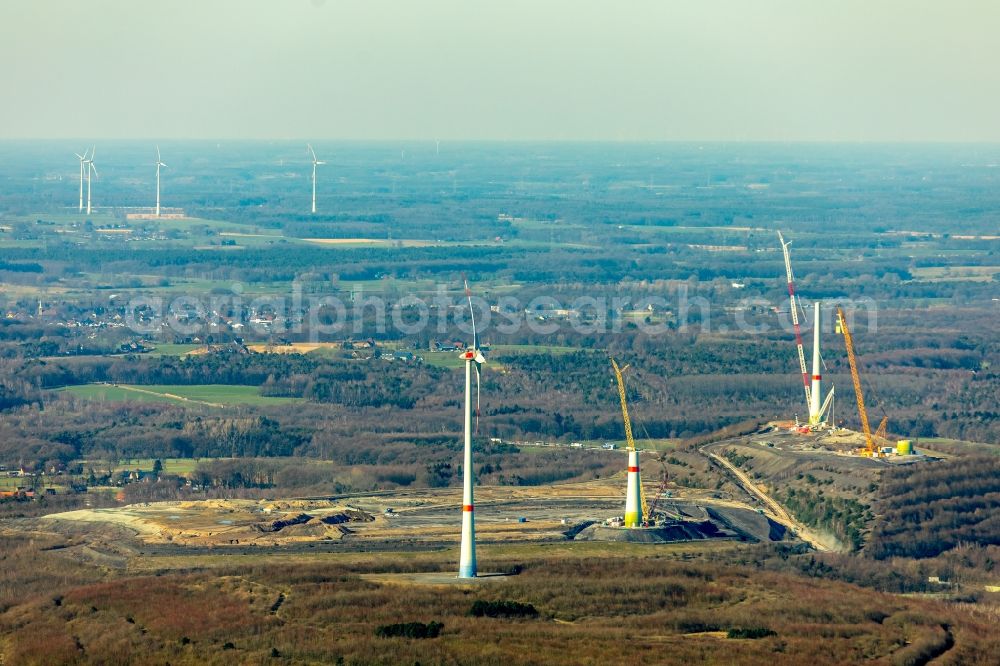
(871, 449)
(629, 440)
(879, 435)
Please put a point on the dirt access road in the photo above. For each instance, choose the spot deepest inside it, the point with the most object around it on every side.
(777, 512)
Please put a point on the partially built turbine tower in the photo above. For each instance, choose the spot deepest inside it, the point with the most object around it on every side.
(634, 499)
(811, 383)
(816, 390)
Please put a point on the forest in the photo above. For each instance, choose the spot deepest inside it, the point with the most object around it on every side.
(927, 510)
(681, 386)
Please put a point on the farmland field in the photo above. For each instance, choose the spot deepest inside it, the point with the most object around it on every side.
(213, 395)
(170, 349)
(178, 466)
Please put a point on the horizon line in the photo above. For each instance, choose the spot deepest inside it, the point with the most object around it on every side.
(610, 141)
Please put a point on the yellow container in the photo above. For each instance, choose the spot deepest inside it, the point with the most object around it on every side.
(904, 448)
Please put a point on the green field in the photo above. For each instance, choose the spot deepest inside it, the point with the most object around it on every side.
(151, 284)
(57, 483)
(387, 284)
(170, 349)
(212, 395)
(501, 350)
(11, 482)
(179, 466)
(450, 360)
(657, 444)
(955, 273)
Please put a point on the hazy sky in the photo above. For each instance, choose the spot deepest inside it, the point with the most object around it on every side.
(860, 70)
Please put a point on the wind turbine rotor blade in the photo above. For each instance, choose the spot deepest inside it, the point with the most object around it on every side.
(157, 153)
(472, 314)
(80, 157)
(479, 370)
(313, 152)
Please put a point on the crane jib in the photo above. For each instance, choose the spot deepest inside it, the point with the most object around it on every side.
(793, 301)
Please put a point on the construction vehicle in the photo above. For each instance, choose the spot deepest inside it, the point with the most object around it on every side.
(629, 440)
(872, 442)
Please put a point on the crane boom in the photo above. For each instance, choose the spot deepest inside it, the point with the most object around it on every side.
(629, 440)
(793, 299)
(879, 435)
(826, 403)
(856, 378)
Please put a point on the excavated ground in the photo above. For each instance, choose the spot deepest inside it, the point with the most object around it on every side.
(410, 518)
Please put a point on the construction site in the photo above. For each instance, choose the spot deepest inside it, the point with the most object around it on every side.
(736, 488)
(778, 453)
(402, 521)
(820, 413)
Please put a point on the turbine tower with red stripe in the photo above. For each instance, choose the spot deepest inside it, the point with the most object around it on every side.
(811, 383)
(633, 492)
(474, 360)
(815, 412)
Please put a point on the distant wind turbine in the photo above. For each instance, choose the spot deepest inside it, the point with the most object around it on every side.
(91, 170)
(159, 163)
(83, 160)
(316, 163)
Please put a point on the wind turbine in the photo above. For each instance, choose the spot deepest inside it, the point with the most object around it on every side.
(159, 163)
(316, 163)
(83, 160)
(472, 357)
(91, 169)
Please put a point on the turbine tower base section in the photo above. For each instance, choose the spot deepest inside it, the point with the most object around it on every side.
(467, 560)
(633, 517)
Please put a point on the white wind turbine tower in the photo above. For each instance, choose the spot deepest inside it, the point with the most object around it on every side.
(91, 169)
(812, 384)
(83, 161)
(159, 163)
(472, 357)
(316, 163)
